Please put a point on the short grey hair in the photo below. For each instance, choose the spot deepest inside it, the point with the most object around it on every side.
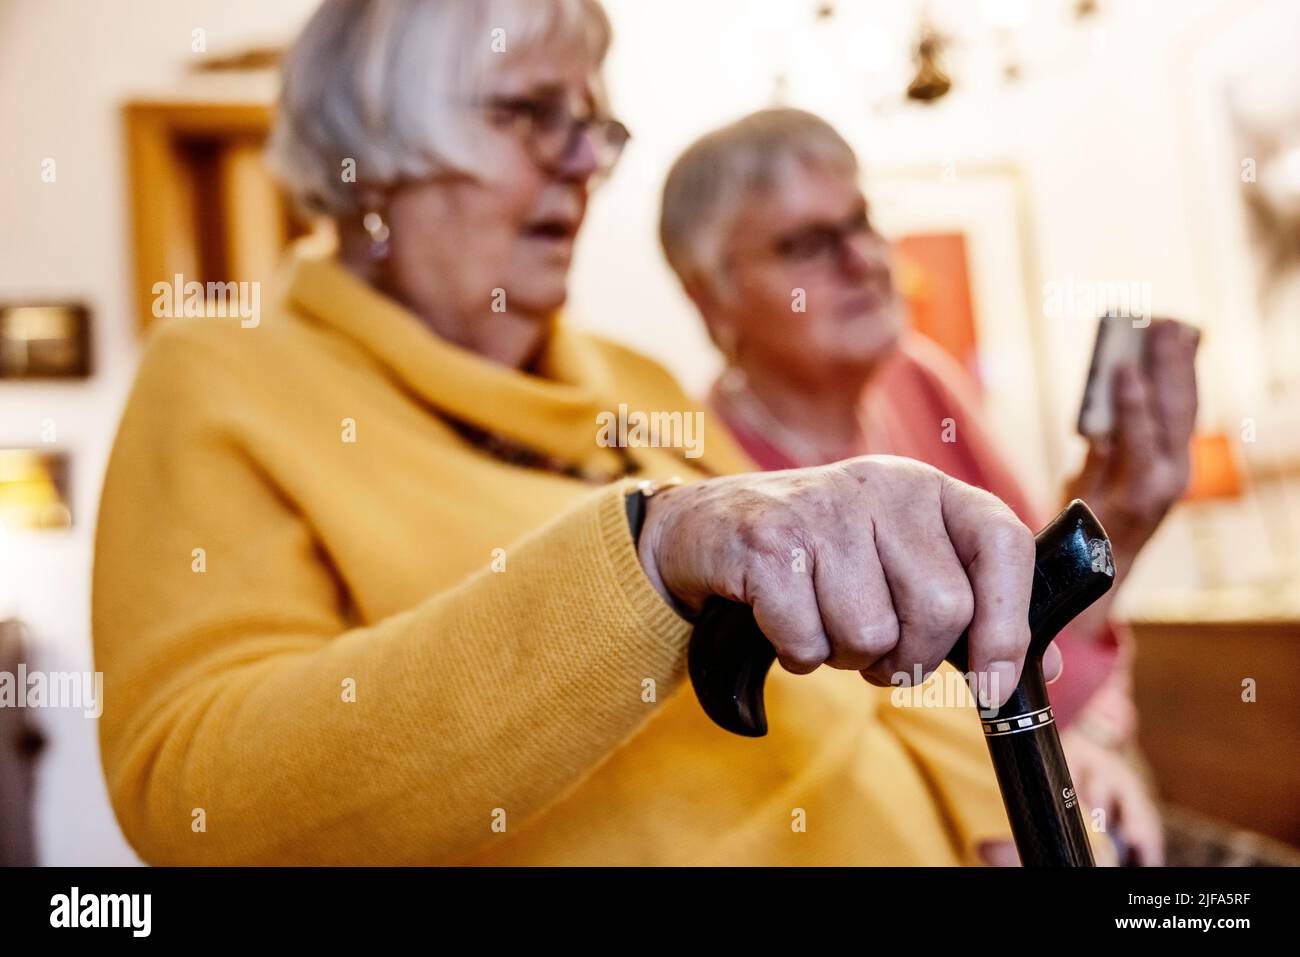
(721, 171)
(381, 83)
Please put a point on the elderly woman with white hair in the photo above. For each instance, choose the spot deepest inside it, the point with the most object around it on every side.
(366, 589)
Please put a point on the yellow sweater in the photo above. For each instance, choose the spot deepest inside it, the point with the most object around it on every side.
(312, 653)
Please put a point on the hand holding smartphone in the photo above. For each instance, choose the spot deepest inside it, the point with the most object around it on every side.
(1123, 341)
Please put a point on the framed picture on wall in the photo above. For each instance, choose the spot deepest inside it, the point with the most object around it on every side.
(44, 341)
(34, 490)
(962, 261)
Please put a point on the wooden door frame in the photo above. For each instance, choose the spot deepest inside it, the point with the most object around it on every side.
(161, 228)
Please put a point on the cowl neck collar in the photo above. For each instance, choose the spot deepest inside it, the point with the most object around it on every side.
(555, 411)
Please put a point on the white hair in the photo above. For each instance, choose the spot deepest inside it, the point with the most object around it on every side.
(382, 83)
(724, 169)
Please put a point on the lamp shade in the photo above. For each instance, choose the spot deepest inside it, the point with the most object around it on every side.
(1215, 473)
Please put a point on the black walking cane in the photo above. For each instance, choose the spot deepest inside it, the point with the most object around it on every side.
(729, 659)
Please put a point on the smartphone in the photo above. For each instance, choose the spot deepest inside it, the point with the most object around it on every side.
(1118, 341)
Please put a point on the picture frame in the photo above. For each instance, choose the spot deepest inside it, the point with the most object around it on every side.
(986, 207)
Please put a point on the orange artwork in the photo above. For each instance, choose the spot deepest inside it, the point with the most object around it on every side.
(932, 274)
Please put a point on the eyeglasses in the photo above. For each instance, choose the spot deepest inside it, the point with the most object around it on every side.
(550, 129)
(824, 243)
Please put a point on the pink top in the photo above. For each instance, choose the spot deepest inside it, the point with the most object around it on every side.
(905, 404)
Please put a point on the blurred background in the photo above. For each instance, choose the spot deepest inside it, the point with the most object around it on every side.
(1034, 162)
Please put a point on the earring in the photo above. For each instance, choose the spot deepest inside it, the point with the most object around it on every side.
(733, 376)
(378, 231)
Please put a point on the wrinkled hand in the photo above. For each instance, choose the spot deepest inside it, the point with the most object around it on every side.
(874, 564)
(1132, 477)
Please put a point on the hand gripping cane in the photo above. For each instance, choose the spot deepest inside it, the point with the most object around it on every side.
(729, 658)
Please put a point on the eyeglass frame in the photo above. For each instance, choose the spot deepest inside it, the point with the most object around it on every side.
(526, 109)
(839, 236)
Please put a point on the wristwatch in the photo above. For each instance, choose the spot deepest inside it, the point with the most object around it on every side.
(636, 502)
